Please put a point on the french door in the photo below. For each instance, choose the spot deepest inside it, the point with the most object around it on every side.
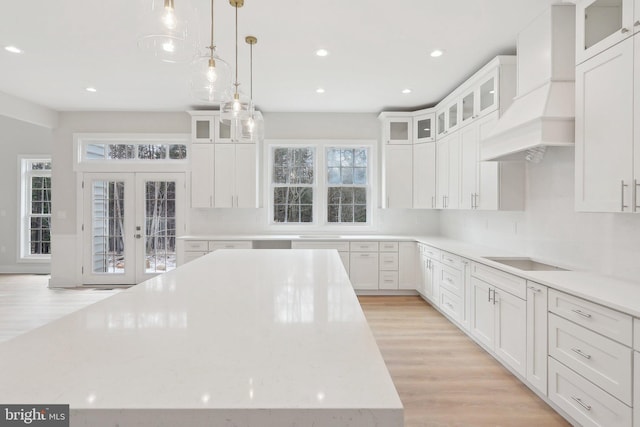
(130, 225)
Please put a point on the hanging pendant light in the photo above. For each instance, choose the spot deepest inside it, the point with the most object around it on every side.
(236, 109)
(253, 128)
(165, 34)
(211, 76)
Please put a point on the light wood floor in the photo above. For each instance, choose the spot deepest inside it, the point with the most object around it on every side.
(443, 378)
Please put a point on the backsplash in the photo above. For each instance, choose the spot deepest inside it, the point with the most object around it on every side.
(550, 230)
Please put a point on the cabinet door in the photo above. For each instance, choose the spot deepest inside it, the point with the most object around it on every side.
(468, 166)
(453, 117)
(424, 176)
(441, 122)
(511, 330)
(202, 175)
(489, 180)
(398, 176)
(442, 171)
(636, 390)
(537, 336)
(488, 94)
(601, 24)
(246, 173)
(636, 122)
(398, 130)
(468, 107)
(482, 312)
(203, 128)
(604, 131)
(224, 171)
(363, 270)
(453, 195)
(407, 268)
(424, 128)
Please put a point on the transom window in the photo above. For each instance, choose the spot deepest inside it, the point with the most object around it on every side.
(36, 209)
(293, 182)
(135, 151)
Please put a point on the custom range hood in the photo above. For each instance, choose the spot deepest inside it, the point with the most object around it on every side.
(543, 111)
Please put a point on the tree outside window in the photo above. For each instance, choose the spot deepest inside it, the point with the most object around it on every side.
(293, 180)
(36, 208)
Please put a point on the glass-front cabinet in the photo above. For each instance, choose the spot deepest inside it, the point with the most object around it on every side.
(453, 116)
(397, 128)
(488, 94)
(206, 128)
(423, 128)
(442, 117)
(601, 24)
(468, 107)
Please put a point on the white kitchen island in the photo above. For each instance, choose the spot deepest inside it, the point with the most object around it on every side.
(265, 338)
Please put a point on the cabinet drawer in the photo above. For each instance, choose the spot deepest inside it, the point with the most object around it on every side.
(584, 401)
(602, 361)
(430, 252)
(610, 323)
(221, 244)
(388, 261)
(388, 280)
(388, 246)
(339, 246)
(363, 246)
(196, 245)
(636, 336)
(453, 280)
(190, 256)
(507, 282)
(450, 304)
(452, 260)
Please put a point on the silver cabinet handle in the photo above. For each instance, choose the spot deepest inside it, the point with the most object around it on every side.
(476, 201)
(494, 297)
(622, 205)
(624, 30)
(433, 202)
(494, 294)
(448, 304)
(534, 289)
(471, 200)
(635, 195)
(636, 24)
(581, 403)
(581, 353)
(581, 313)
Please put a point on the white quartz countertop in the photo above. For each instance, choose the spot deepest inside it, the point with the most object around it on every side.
(239, 337)
(300, 237)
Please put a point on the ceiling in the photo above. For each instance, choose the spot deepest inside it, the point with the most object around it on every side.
(377, 49)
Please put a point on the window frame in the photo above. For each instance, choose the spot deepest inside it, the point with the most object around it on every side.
(320, 197)
(366, 185)
(24, 196)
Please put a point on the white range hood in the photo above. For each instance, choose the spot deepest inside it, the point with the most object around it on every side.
(543, 112)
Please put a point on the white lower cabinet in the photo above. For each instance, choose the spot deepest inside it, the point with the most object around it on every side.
(636, 389)
(363, 270)
(499, 321)
(585, 402)
(407, 262)
(537, 336)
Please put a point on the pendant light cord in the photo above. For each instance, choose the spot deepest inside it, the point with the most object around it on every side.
(251, 72)
(236, 6)
(211, 45)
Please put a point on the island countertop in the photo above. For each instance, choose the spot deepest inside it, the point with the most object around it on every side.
(236, 338)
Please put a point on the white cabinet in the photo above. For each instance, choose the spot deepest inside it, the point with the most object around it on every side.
(498, 319)
(537, 336)
(206, 128)
(453, 116)
(442, 118)
(601, 24)
(448, 171)
(398, 176)
(235, 169)
(428, 266)
(363, 270)
(397, 128)
(636, 389)
(407, 265)
(605, 131)
(424, 128)
(424, 176)
(202, 161)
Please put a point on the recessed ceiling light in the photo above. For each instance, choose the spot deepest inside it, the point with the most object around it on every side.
(436, 53)
(91, 89)
(13, 49)
(322, 52)
(320, 90)
(406, 90)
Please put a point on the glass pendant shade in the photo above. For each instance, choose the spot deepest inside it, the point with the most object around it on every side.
(211, 79)
(164, 31)
(236, 110)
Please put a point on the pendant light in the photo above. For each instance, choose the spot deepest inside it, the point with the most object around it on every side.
(254, 125)
(211, 76)
(236, 109)
(165, 35)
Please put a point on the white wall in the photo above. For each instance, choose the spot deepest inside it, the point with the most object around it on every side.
(549, 229)
(17, 138)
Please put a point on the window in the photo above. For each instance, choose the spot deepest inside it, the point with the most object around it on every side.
(135, 152)
(347, 185)
(293, 182)
(35, 242)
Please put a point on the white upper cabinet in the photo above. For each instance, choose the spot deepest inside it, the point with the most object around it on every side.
(202, 160)
(424, 128)
(424, 176)
(454, 116)
(235, 176)
(398, 176)
(397, 128)
(206, 128)
(448, 172)
(601, 24)
(488, 94)
(442, 118)
(469, 108)
(605, 130)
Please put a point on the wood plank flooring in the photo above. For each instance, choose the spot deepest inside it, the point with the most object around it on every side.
(443, 378)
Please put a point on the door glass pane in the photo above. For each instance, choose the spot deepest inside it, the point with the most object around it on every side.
(160, 226)
(424, 128)
(440, 123)
(453, 116)
(107, 243)
(467, 106)
(399, 131)
(224, 131)
(202, 129)
(601, 19)
(487, 94)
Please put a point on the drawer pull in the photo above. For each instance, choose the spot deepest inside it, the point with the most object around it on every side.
(228, 246)
(534, 289)
(581, 403)
(449, 305)
(581, 353)
(581, 313)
